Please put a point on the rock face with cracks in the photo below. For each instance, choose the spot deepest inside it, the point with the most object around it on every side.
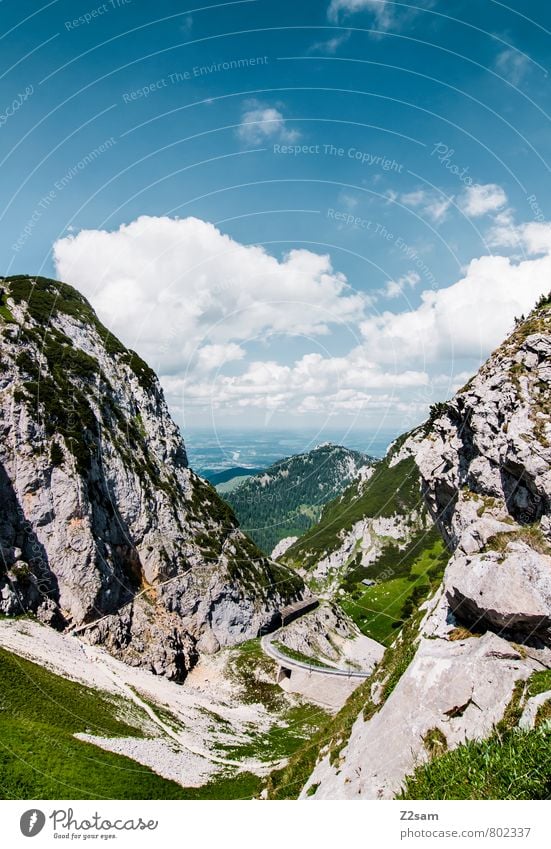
(103, 523)
(485, 469)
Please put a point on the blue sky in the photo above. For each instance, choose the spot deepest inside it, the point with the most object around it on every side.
(297, 212)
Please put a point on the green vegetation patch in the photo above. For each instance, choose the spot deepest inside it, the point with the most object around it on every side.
(532, 535)
(286, 499)
(254, 674)
(539, 682)
(293, 654)
(45, 298)
(41, 759)
(513, 765)
(292, 728)
(6, 314)
(390, 490)
(413, 574)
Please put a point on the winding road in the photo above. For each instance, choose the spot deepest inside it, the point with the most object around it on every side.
(288, 662)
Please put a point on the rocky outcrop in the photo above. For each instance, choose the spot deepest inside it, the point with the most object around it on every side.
(484, 461)
(508, 593)
(282, 546)
(485, 467)
(103, 521)
(452, 691)
(328, 635)
(382, 509)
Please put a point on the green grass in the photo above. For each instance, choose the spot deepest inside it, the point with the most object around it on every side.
(293, 654)
(380, 610)
(377, 611)
(511, 764)
(6, 314)
(254, 674)
(41, 759)
(515, 765)
(295, 726)
(390, 490)
(244, 785)
(539, 682)
(532, 535)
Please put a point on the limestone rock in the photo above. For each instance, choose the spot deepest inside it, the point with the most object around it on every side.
(460, 688)
(484, 460)
(282, 547)
(102, 519)
(509, 592)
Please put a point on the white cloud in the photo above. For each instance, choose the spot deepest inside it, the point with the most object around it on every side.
(434, 205)
(437, 209)
(311, 382)
(512, 65)
(211, 357)
(380, 9)
(468, 319)
(415, 198)
(330, 46)
(190, 299)
(171, 288)
(532, 238)
(385, 14)
(395, 288)
(261, 123)
(480, 199)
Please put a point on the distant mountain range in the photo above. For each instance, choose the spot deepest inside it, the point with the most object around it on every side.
(287, 498)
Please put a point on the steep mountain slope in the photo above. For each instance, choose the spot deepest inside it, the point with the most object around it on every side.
(286, 499)
(375, 546)
(476, 657)
(102, 519)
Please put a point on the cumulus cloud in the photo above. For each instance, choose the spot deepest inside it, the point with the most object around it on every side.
(178, 289)
(480, 199)
(210, 357)
(468, 319)
(313, 382)
(261, 123)
(200, 307)
(512, 65)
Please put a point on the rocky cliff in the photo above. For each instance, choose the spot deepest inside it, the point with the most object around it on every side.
(360, 532)
(464, 661)
(103, 524)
